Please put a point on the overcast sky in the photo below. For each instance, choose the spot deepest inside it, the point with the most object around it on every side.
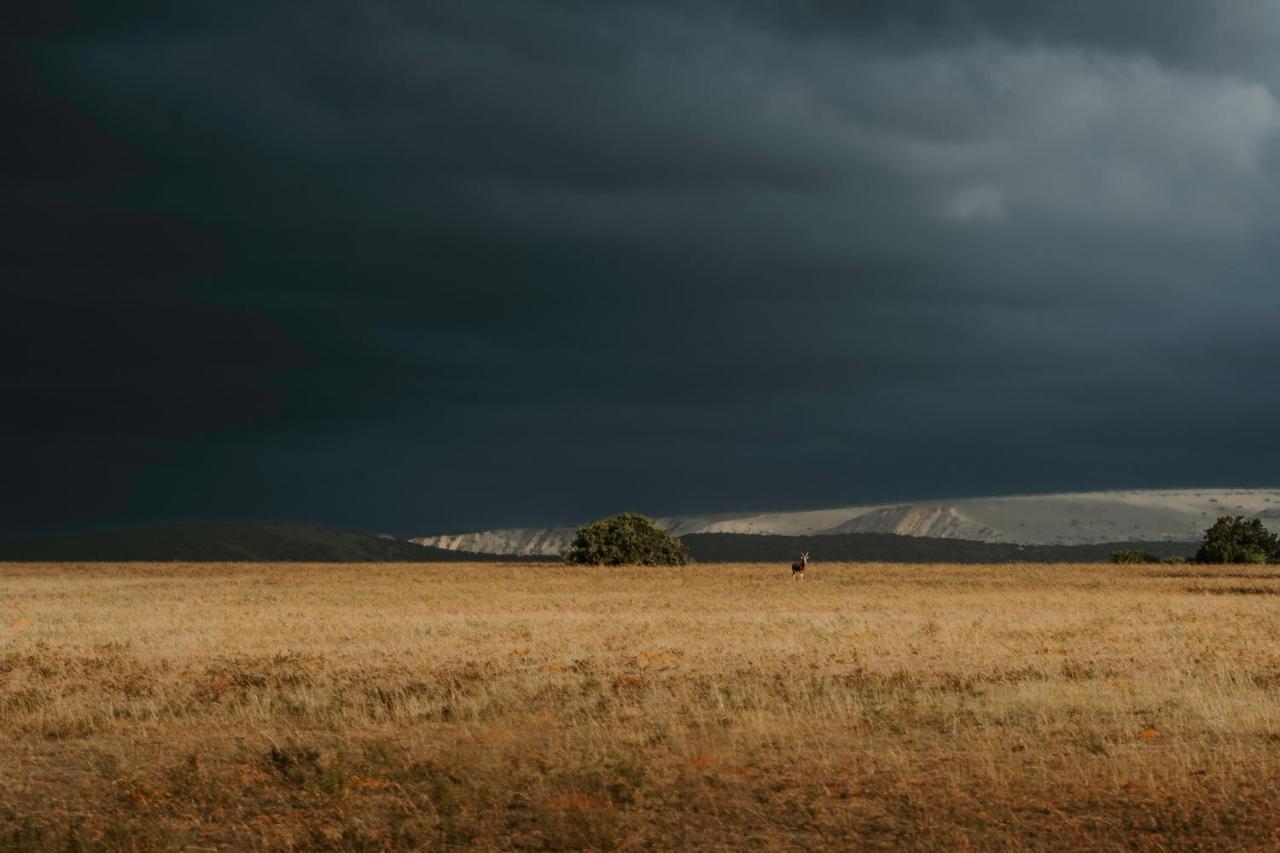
(425, 267)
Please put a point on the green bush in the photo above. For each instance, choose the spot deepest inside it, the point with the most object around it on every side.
(1233, 540)
(1132, 556)
(626, 539)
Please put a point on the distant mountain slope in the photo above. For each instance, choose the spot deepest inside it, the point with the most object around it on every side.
(894, 548)
(1085, 518)
(936, 522)
(532, 541)
(229, 543)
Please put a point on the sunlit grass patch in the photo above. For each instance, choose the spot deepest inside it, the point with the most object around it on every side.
(384, 707)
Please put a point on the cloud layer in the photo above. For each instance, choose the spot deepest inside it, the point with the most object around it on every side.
(487, 263)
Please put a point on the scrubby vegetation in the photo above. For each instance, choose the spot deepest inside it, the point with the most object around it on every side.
(625, 540)
(1232, 539)
(372, 707)
(1130, 555)
(892, 548)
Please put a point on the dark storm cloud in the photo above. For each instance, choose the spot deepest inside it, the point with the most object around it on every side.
(1197, 32)
(461, 264)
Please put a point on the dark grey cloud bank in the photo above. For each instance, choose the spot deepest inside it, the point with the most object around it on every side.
(450, 265)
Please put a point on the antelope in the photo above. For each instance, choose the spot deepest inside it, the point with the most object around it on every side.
(797, 569)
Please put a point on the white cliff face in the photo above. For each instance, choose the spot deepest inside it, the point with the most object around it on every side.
(934, 521)
(1061, 519)
(531, 541)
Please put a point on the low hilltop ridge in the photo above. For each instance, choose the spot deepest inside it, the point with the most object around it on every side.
(1083, 518)
(240, 543)
(527, 542)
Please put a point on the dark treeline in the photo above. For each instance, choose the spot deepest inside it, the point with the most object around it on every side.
(891, 548)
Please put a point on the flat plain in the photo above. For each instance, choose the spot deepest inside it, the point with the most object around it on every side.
(372, 706)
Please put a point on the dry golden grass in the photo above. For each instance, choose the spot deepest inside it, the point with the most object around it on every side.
(721, 707)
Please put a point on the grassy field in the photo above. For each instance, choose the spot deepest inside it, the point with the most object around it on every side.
(722, 707)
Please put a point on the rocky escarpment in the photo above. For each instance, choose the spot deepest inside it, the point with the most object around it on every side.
(934, 522)
(525, 541)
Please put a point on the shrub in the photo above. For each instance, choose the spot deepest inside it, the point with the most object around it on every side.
(1131, 556)
(1233, 540)
(626, 539)
(1252, 555)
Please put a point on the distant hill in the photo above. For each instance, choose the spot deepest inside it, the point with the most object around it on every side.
(303, 543)
(892, 548)
(275, 543)
(1082, 518)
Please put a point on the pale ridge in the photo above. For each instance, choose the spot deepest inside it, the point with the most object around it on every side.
(1081, 518)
